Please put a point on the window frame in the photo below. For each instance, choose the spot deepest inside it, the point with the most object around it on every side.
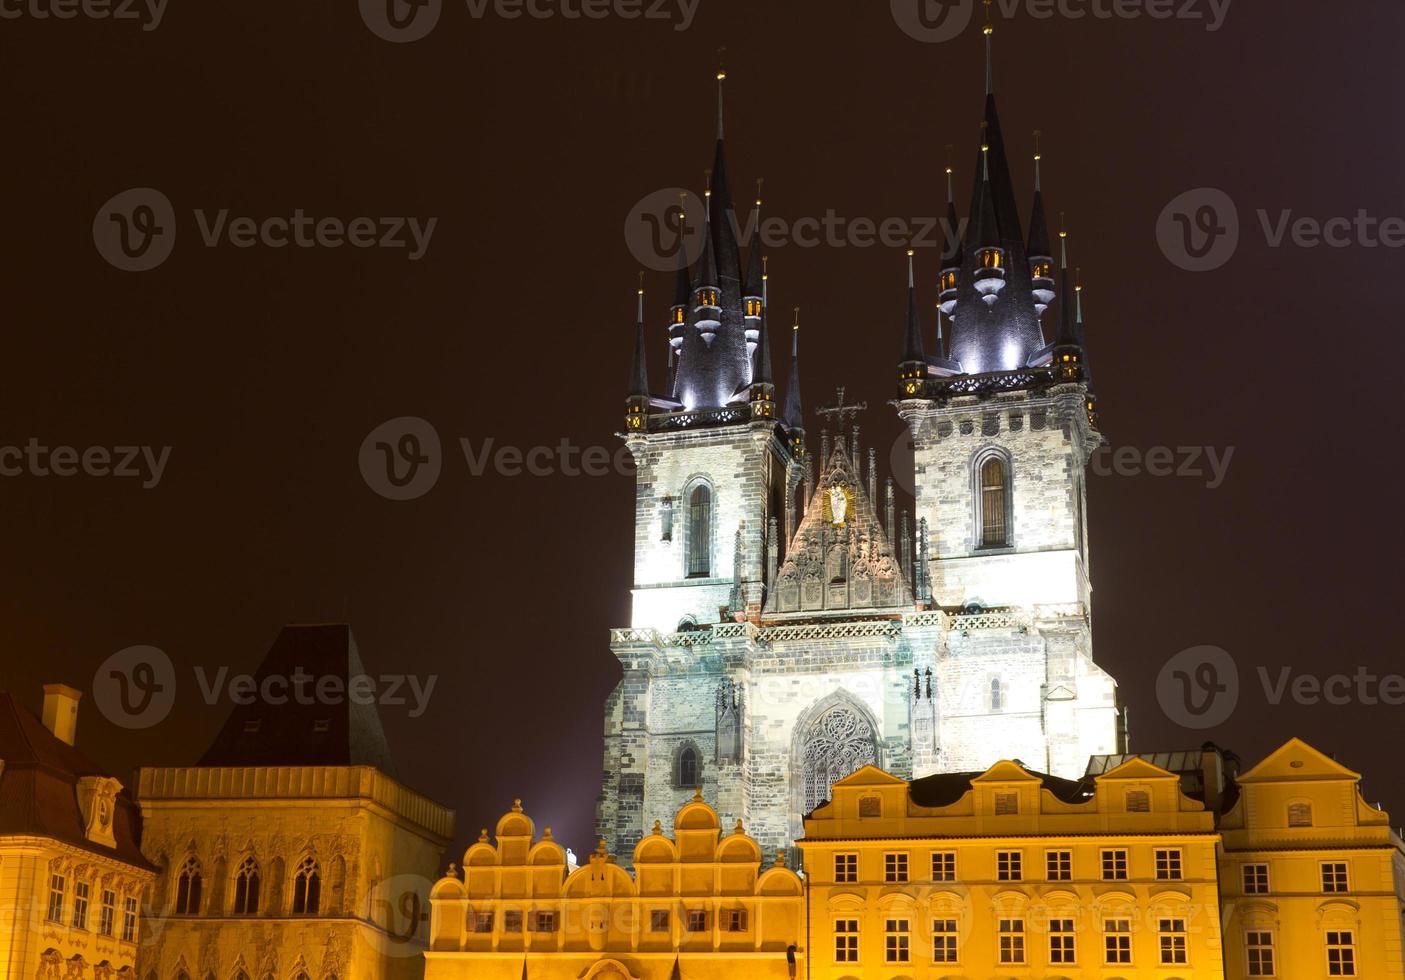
(1174, 863)
(1251, 869)
(1010, 942)
(1337, 884)
(846, 940)
(1058, 864)
(1259, 940)
(107, 912)
(1009, 865)
(896, 867)
(897, 940)
(58, 897)
(1063, 945)
(947, 870)
(1172, 942)
(846, 868)
(82, 892)
(947, 932)
(979, 542)
(693, 536)
(1117, 942)
(1116, 864)
(1346, 950)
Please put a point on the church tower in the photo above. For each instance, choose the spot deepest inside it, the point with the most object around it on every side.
(1003, 430)
(791, 624)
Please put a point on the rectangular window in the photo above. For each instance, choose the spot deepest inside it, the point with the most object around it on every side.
(697, 920)
(846, 940)
(659, 920)
(944, 936)
(1341, 954)
(1007, 804)
(1012, 940)
(80, 905)
(1168, 864)
(482, 922)
(56, 883)
(1061, 949)
(895, 866)
(1258, 953)
(944, 866)
(1115, 865)
(129, 920)
(544, 922)
(897, 940)
(846, 868)
(108, 913)
(1172, 936)
(1255, 878)
(512, 920)
(1138, 801)
(1009, 866)
(735, 920)
(1117, 941)
(1334, 877)
(1060, 865)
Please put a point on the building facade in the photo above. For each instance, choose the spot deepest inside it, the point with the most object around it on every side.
(72, 875)
(290, 852)
(1012, 873)
(790, 622)
(1312, 875)
(702, 903)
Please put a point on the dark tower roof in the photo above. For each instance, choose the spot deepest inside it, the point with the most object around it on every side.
(761, 373)
(713, 364)
(1000, 336)
(325, 732)
(754, 267)
(1067, 335)
(1038, 226)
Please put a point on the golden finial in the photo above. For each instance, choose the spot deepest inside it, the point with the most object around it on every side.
(721, 64)
(641, 282)
(911, 252)
(780, 858)
(765, 261)
(738, 828)
(989, 25)
(517, 806)
(697, 795)
(600, 848)
(546, 833)
(1078, 279)
(797, 319)
(950, 159)
(1037, 155)
(759, 182)
(658, 828)
(707, 182)
(1063, 228)
(453, 871)
(985, 137)
(483, 836)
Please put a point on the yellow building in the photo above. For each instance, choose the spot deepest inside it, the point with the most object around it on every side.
(71, 873)
(290, 852)
(1009, 873)
(699, 906)
(1311, 874)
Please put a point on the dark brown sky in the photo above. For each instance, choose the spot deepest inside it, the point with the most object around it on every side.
(530, 141)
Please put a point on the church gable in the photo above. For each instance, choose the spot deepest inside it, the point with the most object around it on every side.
(840, 559)
(1296, 760)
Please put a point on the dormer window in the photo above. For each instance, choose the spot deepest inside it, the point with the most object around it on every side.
(1300, 814)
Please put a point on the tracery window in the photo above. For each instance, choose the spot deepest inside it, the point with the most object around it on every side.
(840, 743)
(188, 888)
(307, 888)
(688, 768)
(246, 888)
(700, 532)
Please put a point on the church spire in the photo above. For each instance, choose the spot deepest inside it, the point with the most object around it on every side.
(1068, 353)
(794, 412)
(753, 300)
(1041, 260)
(913, 368)
(763, 390)
(952, 253)
(637, 404)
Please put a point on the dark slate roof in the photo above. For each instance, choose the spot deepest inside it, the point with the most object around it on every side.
(945, 788)
(1188, 764)
(261, 734)
(639, 371)
(39, 788)
(794, 411)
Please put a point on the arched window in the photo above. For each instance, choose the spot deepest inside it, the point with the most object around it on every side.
(1300, 814)
(689, 769)
(997, 695)
(700, 532)
(246, 888)
(188, 888)
(307, 888)
(993, 484)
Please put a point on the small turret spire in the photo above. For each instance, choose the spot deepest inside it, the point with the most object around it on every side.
(721, 78)
(989, 53)
(913, 368)
(1037, 248)
(794, 413)
(637, 404)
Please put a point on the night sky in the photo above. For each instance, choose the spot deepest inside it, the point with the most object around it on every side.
(530, 141)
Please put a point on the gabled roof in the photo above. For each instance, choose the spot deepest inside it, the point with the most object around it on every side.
(870, 775)
(39, 788)
(1296, 760)
(1139, 769)
(325, 732)
(944, 789)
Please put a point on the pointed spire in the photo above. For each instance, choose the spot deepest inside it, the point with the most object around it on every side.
(912, 351)
(1068, 331)
(761, 372)
(639, 375)
(794, 414)
(755, 265)
(683, 288)
(989, 53)
(1081, 332)
(1038, 225)
(989, 224)
(706, 274)
(721, 78)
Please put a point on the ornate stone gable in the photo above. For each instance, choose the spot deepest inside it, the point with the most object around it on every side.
(840, 559)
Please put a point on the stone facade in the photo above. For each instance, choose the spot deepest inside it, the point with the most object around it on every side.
(372, 845)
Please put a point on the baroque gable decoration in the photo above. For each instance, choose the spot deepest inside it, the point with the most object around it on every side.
(841, 558)
(97, 802)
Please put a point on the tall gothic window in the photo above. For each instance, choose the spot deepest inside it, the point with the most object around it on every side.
(307, 888)
(840, 742)
(997, 695)
(700, 532)
(688, 768)
(994, 483)
(188, 888)
(246, 888)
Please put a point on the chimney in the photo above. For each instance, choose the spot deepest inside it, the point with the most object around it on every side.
(1212, 765)
(61, 711)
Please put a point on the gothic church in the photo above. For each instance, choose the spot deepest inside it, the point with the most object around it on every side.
(786, 630)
